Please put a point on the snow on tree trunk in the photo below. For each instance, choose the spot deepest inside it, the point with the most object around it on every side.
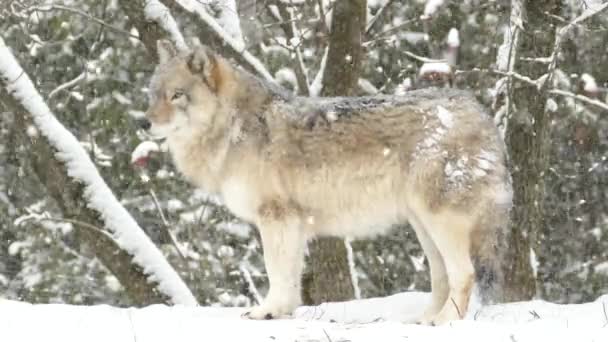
(85, 180)
(527, 135)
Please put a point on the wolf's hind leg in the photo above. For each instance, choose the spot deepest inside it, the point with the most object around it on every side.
(453, 241)
(284, 243)
(439, 278)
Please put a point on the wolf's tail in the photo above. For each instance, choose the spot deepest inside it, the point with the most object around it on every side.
(488, 250)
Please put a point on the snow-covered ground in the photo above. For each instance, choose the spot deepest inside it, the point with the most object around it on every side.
(378, 319)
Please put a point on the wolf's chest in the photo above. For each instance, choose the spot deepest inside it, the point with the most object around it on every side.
(239, 198)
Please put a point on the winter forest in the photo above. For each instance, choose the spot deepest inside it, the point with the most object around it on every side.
(94, 212)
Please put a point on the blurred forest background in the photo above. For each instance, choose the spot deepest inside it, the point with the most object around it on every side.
(540, 72)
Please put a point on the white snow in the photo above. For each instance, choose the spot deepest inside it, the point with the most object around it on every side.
(435, 67)
(352, 269)
(331, 115)
(317, 82)
(31, 131)
(286, 76)
(534, 262)
(143, 150)
(431, 7)
(370, 320)
(453, 39)
(430, 145)
(414, 37)
(445, 117)
(503, 56)
(403, 87)
(376, 3)
(551, 105)
(589, 84)
(118, 221)
(367, 86)
(242, 230)
(120, 98)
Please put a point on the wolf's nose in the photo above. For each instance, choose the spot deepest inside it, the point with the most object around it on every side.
(144, 123)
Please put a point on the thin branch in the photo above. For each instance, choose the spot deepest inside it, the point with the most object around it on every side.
(322, 17)
(581, 98)
(541, 60)
(166, 224)
(290, 29)
(538, 83)
(562, 32)
(392, 29)
(67, 84)
(76, 223)
(250, 284)
(327, 336)
(423, 59)
(50, 8)
(373, 21)
(512, 74)
(456, 306)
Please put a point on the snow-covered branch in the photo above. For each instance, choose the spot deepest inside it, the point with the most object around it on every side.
(155, 11)
(125, 231)
(238, 47)
(229, 19)
(581, 98)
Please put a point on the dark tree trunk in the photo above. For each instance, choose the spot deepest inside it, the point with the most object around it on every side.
(329, 278)
(345, 50)
(527, 143)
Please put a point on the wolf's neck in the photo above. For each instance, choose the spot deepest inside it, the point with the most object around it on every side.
(200, 158)
(252, 94)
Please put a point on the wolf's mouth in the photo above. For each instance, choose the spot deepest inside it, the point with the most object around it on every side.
(158, 138)
(147, 135)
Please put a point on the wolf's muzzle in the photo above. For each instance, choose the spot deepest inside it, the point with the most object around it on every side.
(144, 123)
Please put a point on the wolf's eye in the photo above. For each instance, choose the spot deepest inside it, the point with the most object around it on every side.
(177, 94)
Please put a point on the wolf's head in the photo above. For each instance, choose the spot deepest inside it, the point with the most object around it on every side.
(183, 91)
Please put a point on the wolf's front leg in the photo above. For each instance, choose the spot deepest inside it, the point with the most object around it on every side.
(284, 244)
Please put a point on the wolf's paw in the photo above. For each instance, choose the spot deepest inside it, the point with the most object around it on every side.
(256, 315)
(425, 319)
(265, 312)
(434, 319)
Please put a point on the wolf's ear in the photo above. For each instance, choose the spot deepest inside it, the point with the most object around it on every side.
(203, 62)
(165, 50)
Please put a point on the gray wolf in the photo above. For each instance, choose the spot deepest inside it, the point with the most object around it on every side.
(299, 168)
